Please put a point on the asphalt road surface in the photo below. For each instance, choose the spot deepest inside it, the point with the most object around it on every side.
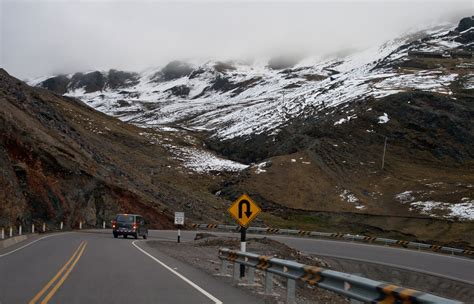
(96, 268)
(80, 267)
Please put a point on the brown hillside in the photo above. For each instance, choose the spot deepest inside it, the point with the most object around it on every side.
(62, 160)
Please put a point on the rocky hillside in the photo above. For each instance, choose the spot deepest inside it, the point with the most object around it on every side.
(63, 161)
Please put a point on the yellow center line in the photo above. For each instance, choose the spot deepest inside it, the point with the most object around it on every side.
(64, 277)
(42, 291)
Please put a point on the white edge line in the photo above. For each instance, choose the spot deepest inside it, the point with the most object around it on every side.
(30, 243)
(214, 299)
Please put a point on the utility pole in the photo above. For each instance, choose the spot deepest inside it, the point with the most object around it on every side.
(384, 149)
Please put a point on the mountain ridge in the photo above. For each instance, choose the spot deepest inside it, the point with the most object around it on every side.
(233, 99)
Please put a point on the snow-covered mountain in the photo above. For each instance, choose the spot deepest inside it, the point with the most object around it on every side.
(235, 99)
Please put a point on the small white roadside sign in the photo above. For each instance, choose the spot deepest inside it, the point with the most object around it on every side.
(179, 218)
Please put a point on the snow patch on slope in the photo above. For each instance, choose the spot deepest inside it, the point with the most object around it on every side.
(195, 159)
(349, 197)
(203, 162)
(462, 211)
(383, 119)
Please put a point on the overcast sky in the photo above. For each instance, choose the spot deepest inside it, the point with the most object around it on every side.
(44, 37)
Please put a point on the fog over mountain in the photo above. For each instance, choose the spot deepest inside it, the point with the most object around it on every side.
(48, 37)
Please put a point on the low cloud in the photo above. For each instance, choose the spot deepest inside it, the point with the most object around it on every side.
(48, 37)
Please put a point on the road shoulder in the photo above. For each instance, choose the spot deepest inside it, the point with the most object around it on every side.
(215, 285)
(202, 255)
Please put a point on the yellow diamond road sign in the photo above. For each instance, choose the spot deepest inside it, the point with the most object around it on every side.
(244, 210)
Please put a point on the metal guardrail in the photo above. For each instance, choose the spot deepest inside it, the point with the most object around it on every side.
(351, 286)
(345, 236)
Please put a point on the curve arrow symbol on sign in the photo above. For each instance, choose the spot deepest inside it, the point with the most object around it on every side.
(243, 210)
(248, 213)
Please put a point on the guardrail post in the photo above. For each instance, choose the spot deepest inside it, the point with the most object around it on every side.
(11, 231)
(290, 291)
(268, 282)
(103, 224)
(351, 300)
(80, 225)
(236, 271)
(3, 233)
(223, 266)
(251, 275)
(32, 228)
(20, 230)
(61, 225)
(44, 227)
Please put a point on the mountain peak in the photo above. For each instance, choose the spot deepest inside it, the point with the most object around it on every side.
(465, 24)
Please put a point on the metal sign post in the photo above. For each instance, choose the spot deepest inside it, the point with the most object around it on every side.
(244, 210)
(179, 222)
(243, 248)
